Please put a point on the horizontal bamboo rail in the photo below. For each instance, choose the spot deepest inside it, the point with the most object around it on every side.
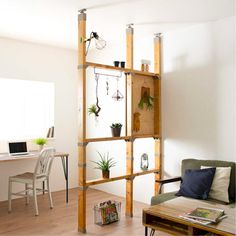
(102, 181)
(126, 70)
(105, 139)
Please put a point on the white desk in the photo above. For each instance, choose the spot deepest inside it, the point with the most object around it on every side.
(5, 157)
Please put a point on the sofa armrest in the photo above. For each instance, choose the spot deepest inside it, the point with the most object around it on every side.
(166, 181)
(170, 180)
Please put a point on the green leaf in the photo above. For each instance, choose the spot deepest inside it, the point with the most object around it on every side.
(147, 100)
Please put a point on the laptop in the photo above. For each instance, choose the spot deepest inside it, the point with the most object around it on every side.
(17, 148)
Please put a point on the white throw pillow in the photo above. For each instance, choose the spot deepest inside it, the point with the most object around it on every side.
(220, 184)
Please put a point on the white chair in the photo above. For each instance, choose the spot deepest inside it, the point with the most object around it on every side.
(41, 174)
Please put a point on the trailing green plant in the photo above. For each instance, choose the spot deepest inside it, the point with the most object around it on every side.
(105, 163)
(116, 125)
(146, 100)
(40, 141)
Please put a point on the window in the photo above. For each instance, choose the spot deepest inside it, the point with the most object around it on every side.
(26, 109)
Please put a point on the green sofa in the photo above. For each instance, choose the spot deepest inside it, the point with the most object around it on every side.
(196, 164)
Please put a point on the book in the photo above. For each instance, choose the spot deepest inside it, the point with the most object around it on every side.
(198, 221)
(207, 214)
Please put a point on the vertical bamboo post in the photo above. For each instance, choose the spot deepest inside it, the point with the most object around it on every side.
(129, 47)
(157, 108)
(82, 122)
(129, 122)
(129, 182)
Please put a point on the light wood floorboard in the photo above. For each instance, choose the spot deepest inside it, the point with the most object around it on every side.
(62, 219)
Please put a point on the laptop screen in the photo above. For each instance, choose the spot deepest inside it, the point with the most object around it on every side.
(17, 147)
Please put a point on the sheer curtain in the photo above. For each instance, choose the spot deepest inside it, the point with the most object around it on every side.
(26, 109)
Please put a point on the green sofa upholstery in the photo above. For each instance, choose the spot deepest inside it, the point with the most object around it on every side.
(196, 164)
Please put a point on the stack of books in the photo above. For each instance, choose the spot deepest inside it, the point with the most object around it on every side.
(205, 216)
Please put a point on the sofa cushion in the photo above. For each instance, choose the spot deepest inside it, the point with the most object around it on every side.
(196, 164)
(220, 184)
(163, 197)
(197, 183)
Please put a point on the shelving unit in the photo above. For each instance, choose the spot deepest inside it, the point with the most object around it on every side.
(150, 120)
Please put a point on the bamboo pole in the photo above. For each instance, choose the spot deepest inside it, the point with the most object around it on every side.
(82, 122)
(129, 122)
(157, 109)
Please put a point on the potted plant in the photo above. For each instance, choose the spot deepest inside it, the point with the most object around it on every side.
(116, 129)
(41, 142)
(104, 164)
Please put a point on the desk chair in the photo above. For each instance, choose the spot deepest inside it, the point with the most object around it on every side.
(41, 174)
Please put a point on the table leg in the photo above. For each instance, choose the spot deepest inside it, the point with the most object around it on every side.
(43, 188)
(67, 173)
(64, 160)
(146, 231)
(152, 232)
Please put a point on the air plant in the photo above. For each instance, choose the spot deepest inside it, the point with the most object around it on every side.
(92, 110)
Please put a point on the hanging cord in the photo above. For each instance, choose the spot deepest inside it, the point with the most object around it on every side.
(107, 86)
(89, 42)
(117, 85)
(97, 101)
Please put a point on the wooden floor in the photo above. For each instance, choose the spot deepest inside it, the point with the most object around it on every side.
(62, 219)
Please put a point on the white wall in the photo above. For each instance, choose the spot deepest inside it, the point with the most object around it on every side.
(199, 87)
(21, 60)
(198, 101)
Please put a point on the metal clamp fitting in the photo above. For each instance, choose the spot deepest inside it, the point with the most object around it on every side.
(82, 144)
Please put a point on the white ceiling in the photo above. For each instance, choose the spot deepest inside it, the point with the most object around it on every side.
(54, 22)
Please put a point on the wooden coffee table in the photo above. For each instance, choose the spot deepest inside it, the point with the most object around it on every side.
(165, 217)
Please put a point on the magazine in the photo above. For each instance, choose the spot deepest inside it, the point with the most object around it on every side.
(109, 213)
(198, 221)
(202, 222)
(207, 214)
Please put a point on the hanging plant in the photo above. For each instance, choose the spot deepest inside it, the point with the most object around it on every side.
(146, 99)
(97, 101)
(92, 110)
(95, 108)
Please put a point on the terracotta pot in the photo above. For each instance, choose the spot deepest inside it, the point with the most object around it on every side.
(116, 132)
(105, 174)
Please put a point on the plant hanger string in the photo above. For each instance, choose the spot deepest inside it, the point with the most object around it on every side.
(107, 86)
(97, 101)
